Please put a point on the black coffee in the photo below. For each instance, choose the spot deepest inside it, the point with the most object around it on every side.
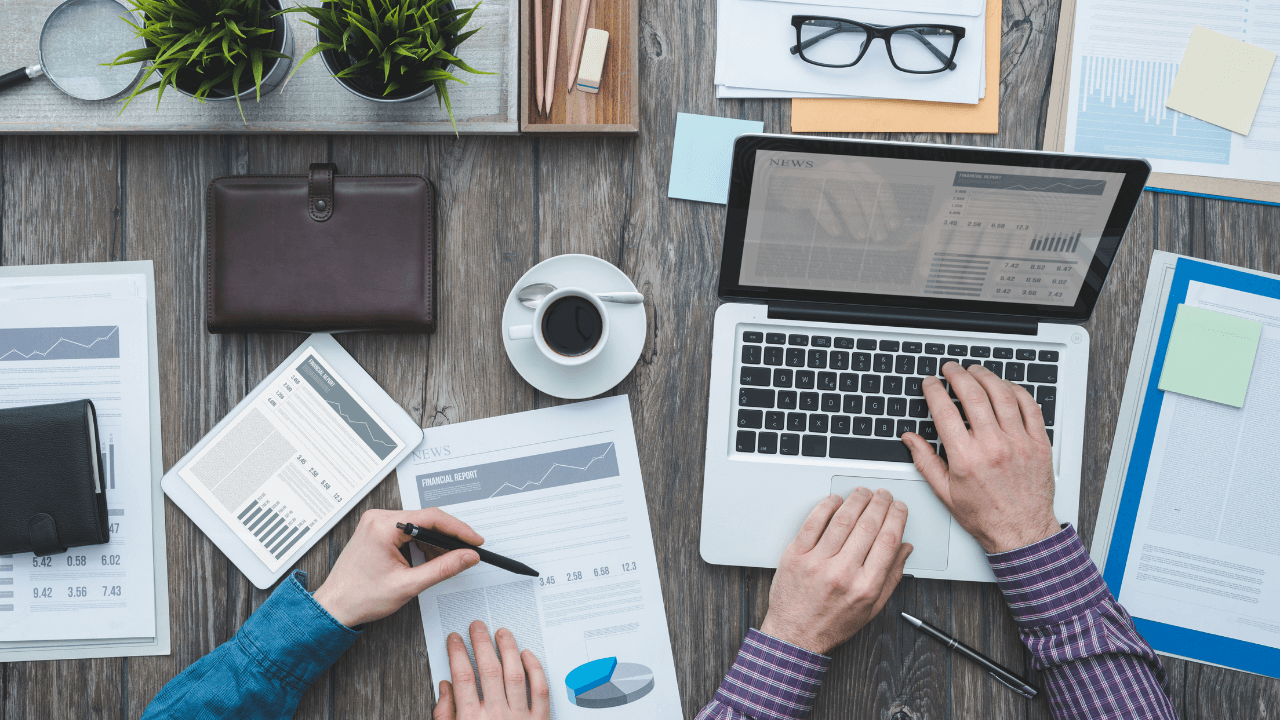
(572, 325)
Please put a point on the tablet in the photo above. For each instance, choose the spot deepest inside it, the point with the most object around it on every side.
(291, 459)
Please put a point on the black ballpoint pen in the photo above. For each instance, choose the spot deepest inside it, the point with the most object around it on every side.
(1002, 674)
(446, 542)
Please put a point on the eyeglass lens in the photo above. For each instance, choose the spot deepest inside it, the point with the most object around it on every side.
(922, 49)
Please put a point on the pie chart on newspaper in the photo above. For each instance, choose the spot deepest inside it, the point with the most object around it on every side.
(607, 683)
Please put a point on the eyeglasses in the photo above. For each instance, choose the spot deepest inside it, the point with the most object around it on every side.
(837, 43)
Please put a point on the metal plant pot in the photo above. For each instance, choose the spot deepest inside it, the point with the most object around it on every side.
(336, 62)
(274, 70)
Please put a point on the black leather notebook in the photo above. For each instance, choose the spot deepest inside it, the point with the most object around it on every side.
(52, 494)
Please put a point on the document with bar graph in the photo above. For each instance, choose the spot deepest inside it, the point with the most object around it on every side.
(294, 457)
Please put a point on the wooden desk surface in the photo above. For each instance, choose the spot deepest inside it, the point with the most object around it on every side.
(505, 204)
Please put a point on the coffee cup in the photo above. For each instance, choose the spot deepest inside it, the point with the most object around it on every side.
(570, 326)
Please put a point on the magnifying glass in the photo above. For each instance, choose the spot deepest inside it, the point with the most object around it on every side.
(78, 37)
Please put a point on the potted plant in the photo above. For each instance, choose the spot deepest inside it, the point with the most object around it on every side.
(391, 50)
(210, 49)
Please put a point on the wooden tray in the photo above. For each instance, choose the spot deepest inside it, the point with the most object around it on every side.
(310, 102)
(615, 110)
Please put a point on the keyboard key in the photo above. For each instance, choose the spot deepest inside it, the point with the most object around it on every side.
(789, 444)
(934, 348)
(773, 356)
(853, 404)
(844, 343)
(818, 423)
(893, 385)
(758, 376)
(746, 441)
(905, 426)
(826, 381)
(1042, 373)
(897, 406)
(804, 379)
(869, 449)
(980, 352)
(1031, 389)
(862, 426)
(860, 362)
(866, 344)
(1002, 353)
(905, 365)
(848, 382)
(821, 341)
(817, 358)
(942, 363)
(870, 383)
(775, 420)
(839, 360)
(910, 347)
(889, 345)
(1026, 354)
(883, 363)
(768, 443)
(1015, 371)
(776, 338)
(969, 362)
(797, 339)
(752, 336)
(927, 366)
(918, 409)
(958, 350)
(753, 397)
(994, 366)
(1049, 356)
(782, 377)
(884, 427)
(1050, 436)
(874, 405)
(1048, 409)
(840, 424)
(927, 430)
(914, 387)
(814, 446)
(750, 418)
(796, 421)
(809, 401)
(1046, 393)
(795, 357)
(830, 402)
(786, 399)
(751, 354)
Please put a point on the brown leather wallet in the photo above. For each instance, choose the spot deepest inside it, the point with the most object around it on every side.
(320, 253)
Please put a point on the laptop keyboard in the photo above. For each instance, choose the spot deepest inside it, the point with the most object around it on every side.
(852, 397)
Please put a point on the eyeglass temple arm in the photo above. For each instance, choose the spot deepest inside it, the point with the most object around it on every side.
(851, 28)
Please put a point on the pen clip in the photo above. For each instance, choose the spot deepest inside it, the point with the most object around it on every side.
(1014, 688)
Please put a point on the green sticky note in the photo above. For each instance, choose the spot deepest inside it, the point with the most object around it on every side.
(1210, 355)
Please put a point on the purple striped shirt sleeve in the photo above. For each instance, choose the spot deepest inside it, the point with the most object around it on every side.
(770, 680)
(1094, 663)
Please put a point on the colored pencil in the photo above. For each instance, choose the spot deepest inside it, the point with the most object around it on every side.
(537, 49)
(553, 51)
(576, 57)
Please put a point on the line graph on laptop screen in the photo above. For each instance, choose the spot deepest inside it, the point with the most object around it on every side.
(923, 228)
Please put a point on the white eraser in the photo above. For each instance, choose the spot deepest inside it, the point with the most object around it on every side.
(592, 65)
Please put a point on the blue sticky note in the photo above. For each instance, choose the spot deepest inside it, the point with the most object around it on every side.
(703, 154)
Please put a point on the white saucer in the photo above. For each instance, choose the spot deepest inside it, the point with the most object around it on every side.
(626, 329)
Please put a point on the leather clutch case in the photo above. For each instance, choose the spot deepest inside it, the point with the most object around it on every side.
(320, 252)
(51, 479)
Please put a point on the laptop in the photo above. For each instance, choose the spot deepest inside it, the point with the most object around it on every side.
(852, 269)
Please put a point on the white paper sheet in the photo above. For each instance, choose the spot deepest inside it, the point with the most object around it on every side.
(1124, 58)
(560, 490)
(64, 339)
(1205, 552)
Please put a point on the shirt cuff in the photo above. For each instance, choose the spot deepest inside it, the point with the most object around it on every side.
(1049, 582)
(292, 636)
(772, 679)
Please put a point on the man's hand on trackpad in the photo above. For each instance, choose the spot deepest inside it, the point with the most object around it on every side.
(997, 480)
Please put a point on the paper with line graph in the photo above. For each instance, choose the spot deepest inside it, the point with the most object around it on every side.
(559, 489)
(293, 458)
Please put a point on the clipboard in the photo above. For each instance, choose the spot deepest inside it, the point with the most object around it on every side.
(1055, 133)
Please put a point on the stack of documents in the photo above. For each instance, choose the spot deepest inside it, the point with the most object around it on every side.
(754, 40)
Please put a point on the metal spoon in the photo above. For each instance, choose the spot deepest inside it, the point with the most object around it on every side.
(531, 295)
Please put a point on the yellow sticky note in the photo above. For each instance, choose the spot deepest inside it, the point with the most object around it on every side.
(1220, 80)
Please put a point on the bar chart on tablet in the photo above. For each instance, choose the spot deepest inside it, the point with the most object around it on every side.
(273, 524)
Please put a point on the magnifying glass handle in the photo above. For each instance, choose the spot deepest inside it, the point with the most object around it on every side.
(19, 76)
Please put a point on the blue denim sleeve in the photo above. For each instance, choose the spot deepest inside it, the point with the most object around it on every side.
(262, 671)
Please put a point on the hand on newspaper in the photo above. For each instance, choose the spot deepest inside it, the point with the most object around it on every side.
(506, 697)
(371, 579)
(997, 479)
(839, 571)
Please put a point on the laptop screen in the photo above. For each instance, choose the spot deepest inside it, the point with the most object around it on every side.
(947, 229)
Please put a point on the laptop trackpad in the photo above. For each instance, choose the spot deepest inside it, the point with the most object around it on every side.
(928, 521)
